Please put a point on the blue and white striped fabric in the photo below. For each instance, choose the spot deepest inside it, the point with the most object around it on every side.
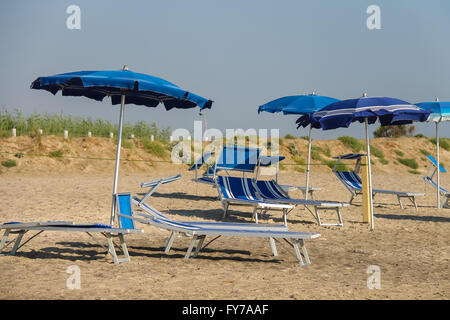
(237, 188)
(341, 114)
(350, 179)
(269, 189)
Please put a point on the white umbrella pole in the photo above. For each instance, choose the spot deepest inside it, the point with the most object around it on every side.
(370, 174)
(438, 169)
(309, 162)
(116, 170)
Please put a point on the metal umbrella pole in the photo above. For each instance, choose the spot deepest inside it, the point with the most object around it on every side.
(116, 170)
(370, 174)
(309, 162)
(437, 166)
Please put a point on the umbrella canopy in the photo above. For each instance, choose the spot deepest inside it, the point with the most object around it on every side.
(299, 104)
(341, 114)
(124, 87)
(389, 111)
(440, 111)
(139, 88)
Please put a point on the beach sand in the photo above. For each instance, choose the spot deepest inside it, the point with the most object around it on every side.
(410, 248)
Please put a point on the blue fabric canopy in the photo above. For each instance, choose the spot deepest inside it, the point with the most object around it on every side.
(139, 88)
(440, 110)
(300, 104)
(342, 113)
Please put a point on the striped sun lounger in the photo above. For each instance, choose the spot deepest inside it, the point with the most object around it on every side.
(241, 192)
(270, 190)
(353, 183)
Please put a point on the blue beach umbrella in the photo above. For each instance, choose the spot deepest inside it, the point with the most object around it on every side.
(389, 111)
(440, 111)
(299, 105)
(124, 87)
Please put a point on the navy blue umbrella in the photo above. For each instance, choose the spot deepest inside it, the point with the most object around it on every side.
(124, 87)
(299, 104)
(389, 111)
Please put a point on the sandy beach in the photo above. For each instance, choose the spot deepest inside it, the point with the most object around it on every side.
(411, 248)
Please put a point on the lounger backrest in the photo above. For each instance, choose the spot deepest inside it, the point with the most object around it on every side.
(350, 179)
(269, 189)
(434, 184)
(237, 188)
(125, 210)
(237, 158)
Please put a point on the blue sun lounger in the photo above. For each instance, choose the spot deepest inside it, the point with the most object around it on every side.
(126, 226)
(241, 192)
(151, 213)
(353, 183)
(429, 178)
(270, 190)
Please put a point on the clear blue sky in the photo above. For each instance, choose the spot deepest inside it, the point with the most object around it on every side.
(240, 54)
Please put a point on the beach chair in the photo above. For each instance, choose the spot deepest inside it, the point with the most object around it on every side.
(126, 226)
(266, 161)
(429, 178)
(353, 183)
(270, 190)
(199, 231)
(241, 192)
(151, 213)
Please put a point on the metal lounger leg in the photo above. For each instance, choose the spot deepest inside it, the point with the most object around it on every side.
(400, 201)
(273, 246)
(170, 242)
(225, 209)
(16, 244)
(191, 246)
(199, 246)
(124, 249)
(111, 248)
(4, 239)
(285, 216)
(297, 252)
